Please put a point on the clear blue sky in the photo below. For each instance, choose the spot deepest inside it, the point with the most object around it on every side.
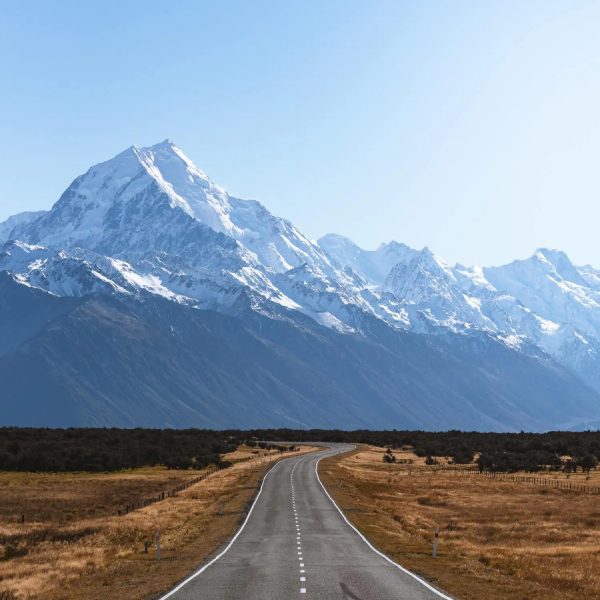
(471, 127)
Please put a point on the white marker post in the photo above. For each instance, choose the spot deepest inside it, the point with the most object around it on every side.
(158, 546)
(435, 542)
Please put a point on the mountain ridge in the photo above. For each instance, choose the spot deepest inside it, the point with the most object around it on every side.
(148, 227)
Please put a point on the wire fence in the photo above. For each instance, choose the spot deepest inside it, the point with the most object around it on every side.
(128, 508)
(558, 484)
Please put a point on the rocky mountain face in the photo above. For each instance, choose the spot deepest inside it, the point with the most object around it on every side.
(149, 296)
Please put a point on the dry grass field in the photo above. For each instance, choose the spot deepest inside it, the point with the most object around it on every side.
(580, 478)
(73, 545)
(498, 540)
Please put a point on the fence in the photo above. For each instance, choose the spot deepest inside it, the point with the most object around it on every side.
(184, 486)
(558, 484)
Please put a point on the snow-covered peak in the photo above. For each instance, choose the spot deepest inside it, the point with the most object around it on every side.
(421, 276)
(552, 287)
(155, 189)
(80, 214)
(562, 265)
(187, 186)
(16, 255)
(373, 265)
(12, 227)
(393, 249)
(167, 145)
(552, 256)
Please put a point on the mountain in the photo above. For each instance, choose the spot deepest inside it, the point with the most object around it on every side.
(149, 296)
(544, 299)
(373, 265)
(156, 199)
(12, 227)
(102, 360)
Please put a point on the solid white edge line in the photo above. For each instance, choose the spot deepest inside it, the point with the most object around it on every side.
(214, 560)
(366, 541)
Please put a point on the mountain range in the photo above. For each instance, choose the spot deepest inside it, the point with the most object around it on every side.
(148, 296)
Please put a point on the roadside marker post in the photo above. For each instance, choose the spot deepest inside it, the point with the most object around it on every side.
(146, 544)
(435, 542)
(158, 546)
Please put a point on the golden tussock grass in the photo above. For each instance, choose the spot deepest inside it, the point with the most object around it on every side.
(73, 545)
(498, 540)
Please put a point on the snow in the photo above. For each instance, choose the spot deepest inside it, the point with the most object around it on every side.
(373, 265)
(149, 221)
(11, 228)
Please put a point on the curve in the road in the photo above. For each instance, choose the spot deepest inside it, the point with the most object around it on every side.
(274, 551)
(235, 537)
(366, 541)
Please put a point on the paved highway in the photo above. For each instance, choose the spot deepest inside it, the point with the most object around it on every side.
(296, 543)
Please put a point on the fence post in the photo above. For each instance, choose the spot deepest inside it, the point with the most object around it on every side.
(435, 542)
(146, 547)
(158, 546)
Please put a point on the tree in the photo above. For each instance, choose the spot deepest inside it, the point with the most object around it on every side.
(588, 462)
(570, 466)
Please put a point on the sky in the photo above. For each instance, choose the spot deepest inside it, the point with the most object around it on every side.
(470, 127)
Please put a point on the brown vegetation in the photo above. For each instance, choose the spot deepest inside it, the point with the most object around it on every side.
(498, 540)
(72, 544)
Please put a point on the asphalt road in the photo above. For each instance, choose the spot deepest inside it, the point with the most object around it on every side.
(296, 543)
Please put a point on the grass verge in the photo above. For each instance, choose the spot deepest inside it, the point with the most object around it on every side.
(73, 545)
(498, 540)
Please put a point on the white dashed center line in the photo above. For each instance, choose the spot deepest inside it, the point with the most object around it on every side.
(300, 558)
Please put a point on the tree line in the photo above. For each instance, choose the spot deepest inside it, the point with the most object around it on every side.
(103, 449)
(96, 450)
(503, 452)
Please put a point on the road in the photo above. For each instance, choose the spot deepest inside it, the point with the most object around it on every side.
(296, 543)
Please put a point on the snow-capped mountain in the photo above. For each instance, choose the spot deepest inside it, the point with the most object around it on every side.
(153, 208)
(153, 199)
(544, 299)
(12, 227)
(149, 227)
(373, 265)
